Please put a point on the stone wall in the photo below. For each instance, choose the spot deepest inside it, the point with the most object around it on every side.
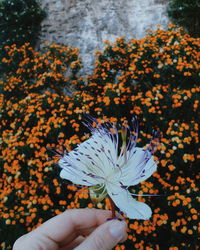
(85, 24)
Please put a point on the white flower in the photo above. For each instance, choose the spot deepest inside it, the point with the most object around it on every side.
(102, 165)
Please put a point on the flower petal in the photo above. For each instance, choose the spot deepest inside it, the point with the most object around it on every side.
(77, 175)
(86, 158)
(125, 202)
(139, 167)
(85, 165)
(97, 154)
(105, 134)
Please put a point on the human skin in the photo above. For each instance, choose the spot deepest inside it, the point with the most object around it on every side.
(80, 229)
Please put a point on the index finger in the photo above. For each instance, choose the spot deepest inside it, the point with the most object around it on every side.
(67, 226)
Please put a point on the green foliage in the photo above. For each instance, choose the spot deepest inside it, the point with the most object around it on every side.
(187, 14)
(19, 21)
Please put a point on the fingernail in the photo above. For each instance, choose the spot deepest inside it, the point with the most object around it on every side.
(117, 229)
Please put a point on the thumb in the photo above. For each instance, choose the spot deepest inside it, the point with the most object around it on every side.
(105, 237)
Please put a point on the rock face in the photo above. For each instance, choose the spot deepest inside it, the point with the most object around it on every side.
(85, 24)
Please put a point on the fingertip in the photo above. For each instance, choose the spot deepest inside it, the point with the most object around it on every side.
(106, 236)
(118, 230)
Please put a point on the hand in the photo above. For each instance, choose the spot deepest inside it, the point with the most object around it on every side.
(68, 230)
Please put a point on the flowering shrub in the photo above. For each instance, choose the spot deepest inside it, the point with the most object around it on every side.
(20, 21)
(31, 189)
(162, 57)
(30, 71)
(185, 13)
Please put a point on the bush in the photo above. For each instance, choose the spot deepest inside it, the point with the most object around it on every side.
(31, 189)
(20, 22)
(30, 71)
(187, 14)
(162, 57)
